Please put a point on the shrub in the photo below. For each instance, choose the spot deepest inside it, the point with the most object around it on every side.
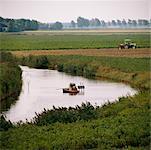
(5, 125)
(66, 115)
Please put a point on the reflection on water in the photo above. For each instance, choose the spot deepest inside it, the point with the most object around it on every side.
(42, 88)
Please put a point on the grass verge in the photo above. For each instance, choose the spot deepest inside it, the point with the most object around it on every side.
(10, 80)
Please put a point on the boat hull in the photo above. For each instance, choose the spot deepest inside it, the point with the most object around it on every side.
(66, 90)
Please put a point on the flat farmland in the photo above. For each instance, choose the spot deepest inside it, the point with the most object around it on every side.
(134, 53)
(117, 125)
(79, 39)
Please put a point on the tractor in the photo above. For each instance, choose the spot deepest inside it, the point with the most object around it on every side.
(127, 44)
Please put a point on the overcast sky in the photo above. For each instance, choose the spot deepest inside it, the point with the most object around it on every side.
(65, 11)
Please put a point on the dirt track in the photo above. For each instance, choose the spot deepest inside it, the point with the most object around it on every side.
(94, 30)
(142, 52)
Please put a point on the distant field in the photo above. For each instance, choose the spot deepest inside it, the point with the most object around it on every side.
(79, 39)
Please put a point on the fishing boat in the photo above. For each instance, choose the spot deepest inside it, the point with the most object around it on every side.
(67, 90)
(72, 89)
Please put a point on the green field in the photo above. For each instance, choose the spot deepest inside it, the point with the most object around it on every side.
(61, 40)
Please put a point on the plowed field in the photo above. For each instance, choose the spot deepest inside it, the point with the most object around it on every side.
(138, 53)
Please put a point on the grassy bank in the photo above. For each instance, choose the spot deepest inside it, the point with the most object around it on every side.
(123, 124)
(59, 40)
(120, 125)
(10, 80)
(134, 71)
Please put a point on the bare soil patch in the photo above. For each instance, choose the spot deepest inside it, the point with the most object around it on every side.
(142, 52)
(94, 30)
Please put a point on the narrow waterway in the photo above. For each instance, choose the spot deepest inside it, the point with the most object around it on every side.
(42, 88)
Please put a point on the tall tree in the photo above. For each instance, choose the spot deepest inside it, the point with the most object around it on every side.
(143, 22)
(73, 24)
(134, 23)
(43, 26)
(103, 23)
(119, 23)
(95, 22)
(129, 22)
(56, 26)
(82, 22)
(11, 27)
(113, 23)
(109, 23)
(124, 23)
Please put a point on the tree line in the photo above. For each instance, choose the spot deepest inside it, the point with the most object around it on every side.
(16, 25)
(95, 22)
(51, 26)
(82, 22)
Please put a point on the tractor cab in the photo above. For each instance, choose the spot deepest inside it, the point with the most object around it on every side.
(127, 41)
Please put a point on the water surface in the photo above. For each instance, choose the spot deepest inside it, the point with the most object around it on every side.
(42, 88)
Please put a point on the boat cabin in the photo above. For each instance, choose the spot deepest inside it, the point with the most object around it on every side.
(72, 89)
